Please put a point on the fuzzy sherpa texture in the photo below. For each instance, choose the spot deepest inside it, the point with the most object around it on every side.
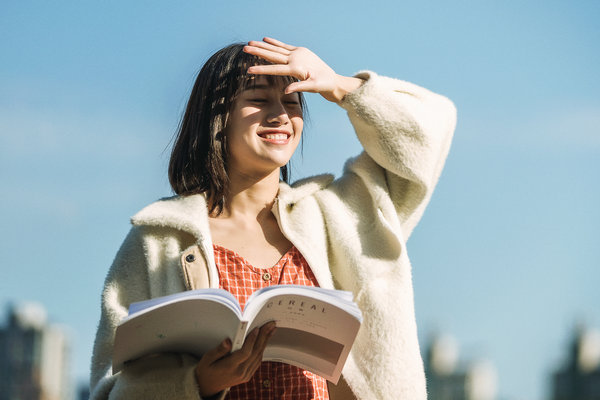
(352, 231)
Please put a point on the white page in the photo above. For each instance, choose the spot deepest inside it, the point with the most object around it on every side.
(311, 333)
(187, 326)
(219, 295)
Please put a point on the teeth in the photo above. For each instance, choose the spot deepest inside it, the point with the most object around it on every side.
(276, 136)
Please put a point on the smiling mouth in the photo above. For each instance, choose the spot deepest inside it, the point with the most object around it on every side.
(275, 136)
(278, 137)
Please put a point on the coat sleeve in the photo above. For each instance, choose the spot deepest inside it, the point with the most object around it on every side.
(169, 376)
(369, 214)
(406, 132)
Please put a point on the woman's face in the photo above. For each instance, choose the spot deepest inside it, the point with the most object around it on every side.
(263, 130)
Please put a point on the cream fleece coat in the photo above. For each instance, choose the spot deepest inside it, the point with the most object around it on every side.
(352, 231)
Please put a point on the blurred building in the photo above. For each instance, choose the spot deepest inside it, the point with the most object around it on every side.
(449, 380)
(579, 378)
(84, 391)
(33, 356)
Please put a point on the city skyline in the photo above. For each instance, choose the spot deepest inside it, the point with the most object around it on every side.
(34, 356)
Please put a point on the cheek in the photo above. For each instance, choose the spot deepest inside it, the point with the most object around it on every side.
(298, 124)
(240, 126)
(242, 117)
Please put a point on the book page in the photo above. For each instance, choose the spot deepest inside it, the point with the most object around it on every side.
(189, 325)
(218, 295)
(305, 348)
(311, 333)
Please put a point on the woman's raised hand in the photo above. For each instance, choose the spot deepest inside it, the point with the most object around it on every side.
(219, 369)
(313, 74)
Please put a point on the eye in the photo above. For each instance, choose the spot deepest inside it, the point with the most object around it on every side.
(292, 102)
(259, 100)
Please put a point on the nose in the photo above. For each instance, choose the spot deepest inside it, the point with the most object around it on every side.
(277, 113)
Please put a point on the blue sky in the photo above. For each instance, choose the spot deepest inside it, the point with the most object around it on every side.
(506, 256)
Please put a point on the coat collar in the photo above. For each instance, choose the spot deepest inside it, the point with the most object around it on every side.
(189, 213)
(184, 213)
(302, 188)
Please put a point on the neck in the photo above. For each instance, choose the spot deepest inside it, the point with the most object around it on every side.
(251, 195)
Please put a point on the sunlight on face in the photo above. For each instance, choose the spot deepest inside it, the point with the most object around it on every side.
(263, 129)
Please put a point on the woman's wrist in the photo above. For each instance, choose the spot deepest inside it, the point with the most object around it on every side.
(345, 85)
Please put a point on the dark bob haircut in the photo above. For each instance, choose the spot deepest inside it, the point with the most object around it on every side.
(198, 161)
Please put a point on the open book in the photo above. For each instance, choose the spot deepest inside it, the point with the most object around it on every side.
(315, 327)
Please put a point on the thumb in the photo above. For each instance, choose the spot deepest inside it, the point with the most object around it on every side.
(218, 352)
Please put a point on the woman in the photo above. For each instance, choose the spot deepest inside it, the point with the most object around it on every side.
(233, 219)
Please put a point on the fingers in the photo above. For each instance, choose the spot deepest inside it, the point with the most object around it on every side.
(217, 369)
(218, 352)
(253, 361)
(255, 343)
(304, 84)
(298, 72)
(286, 60)
(277, 43)
(270, 47)
(313, 74)
(270, 70)
(246, 360)
(271, 56)
(248, 345)
(266, 331)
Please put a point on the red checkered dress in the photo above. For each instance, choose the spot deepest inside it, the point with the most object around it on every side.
(272, 380)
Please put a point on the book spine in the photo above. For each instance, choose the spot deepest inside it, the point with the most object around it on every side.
(238, 341)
